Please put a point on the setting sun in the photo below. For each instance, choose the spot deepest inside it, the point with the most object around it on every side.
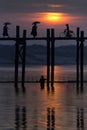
(53, 17)
(49, 18)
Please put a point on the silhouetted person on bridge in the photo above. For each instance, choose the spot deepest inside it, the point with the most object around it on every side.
(5, 29)
(68, 32)
(34, 29)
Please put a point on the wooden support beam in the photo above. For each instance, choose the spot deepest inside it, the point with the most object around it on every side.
(81, 58)
(39, 38)
(16, 56)
(23, 60)
(48, 58)
(20, 50)
(77, 58)
(52, 58)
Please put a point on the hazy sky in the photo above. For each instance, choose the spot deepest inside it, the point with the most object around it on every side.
(24, 12)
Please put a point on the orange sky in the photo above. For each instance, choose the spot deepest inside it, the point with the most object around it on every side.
(56, 20)
(49, 18)
(53, 13)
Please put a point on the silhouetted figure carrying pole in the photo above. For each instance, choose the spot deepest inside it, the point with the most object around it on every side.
(34, 29)
(42, 82)
(5, 29)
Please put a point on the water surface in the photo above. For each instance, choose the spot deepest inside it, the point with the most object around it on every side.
(36, 109)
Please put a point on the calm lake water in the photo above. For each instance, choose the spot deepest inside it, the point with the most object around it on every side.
(36, 109)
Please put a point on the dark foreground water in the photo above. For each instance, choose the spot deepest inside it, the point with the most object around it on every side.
(36, 109)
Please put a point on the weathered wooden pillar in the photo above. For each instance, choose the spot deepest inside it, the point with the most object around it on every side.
(20, 50)
(16, 56)
(48, 58)
(81, 58)
(52, 58)
(23, 60)
(77, 59)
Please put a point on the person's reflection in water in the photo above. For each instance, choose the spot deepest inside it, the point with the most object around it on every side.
(35, 119)
(20, 118)
(80, 119)
(50, 118)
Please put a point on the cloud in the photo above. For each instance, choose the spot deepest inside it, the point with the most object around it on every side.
(27, 6)
(26, 11)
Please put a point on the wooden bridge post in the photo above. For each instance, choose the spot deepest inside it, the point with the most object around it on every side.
(77, 59)
(16, 56)
(23, 60)
(52, 58)
(20, 51)
(81, 58)
(48, 58)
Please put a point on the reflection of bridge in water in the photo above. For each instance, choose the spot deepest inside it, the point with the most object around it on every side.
(80, 119)
(20, 118)
(20, 55)
(50, 118)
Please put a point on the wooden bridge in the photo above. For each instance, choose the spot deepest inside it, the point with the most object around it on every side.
(20, 53)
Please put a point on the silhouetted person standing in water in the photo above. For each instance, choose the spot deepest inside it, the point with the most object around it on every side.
(34, 29)
(42, 82)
